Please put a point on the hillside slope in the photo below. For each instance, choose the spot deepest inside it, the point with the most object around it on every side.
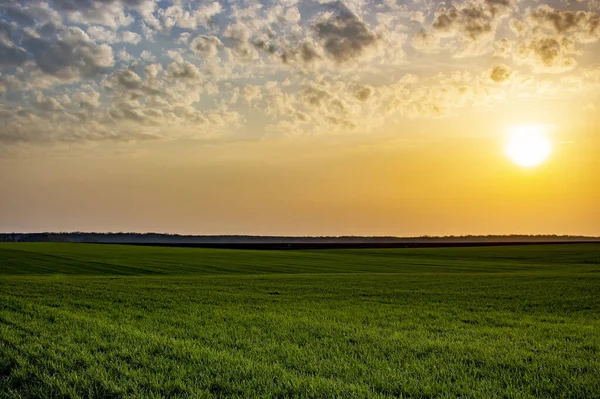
(93, 259)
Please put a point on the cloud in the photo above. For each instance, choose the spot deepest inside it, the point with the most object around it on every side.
(25, 14)
(130, 37)
(305, 53)
(548, 54)
(500, 73)
(184, 70)
(147, 56)
(582, 26)
(102, 34)
(125, 78)
(101, 12)
(11, 55)
(251, 94)
(473, 23)
(176, 15)
(343, 35)
(549, 40)
(43, 103)
(502, 48)
(241, 48)
(112, 13)
(123, 55)
(283, 15)
(363, 92)
(17, 14)
(88, 98)
(69, 54)
(206, 45)
(91, 70)
(336, 106)
(49, 122)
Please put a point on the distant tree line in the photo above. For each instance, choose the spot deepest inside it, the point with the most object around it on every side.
(148, 238)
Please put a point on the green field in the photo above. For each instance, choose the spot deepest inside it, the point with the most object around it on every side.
(109, 321)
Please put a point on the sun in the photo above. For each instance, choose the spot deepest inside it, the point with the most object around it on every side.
(528, 146)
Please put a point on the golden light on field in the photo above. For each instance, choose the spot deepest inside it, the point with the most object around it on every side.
(528, 146)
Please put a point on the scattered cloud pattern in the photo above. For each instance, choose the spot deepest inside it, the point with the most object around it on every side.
(126, 70)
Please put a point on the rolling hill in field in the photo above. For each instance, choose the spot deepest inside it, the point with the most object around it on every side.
(93, 259)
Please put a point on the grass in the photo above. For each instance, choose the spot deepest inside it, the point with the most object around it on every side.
(116, 321)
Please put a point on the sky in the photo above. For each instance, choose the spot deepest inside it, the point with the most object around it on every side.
(298, 117)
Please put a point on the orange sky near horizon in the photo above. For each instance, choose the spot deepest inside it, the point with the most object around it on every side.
(446, 187)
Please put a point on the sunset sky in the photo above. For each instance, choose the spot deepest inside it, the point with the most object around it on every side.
(298, 117)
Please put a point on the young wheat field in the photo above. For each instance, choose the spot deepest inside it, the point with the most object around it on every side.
(111, 321)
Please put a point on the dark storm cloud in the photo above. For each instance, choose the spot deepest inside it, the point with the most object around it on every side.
(343, 35)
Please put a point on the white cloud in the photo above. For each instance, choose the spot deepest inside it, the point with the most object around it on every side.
(102, 34)
(147, 56)
(130, 37)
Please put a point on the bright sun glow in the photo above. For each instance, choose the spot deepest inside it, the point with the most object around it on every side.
(528, 146)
